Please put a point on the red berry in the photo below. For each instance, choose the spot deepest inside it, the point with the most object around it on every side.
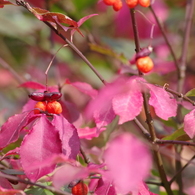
(109, 2)
(80, 189)
(144, 3)
(144, 64)
(132, 3)
(117, 5)
(54, 107)
(41, 107)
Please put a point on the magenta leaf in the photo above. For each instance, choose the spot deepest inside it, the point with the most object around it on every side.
(32, 85)
(165, 106)
(128, 161)
(10, 130)
(68, 136)
(40, 144)
(189, 124)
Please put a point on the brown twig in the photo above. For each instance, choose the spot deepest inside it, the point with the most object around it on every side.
(149, 120)
(179, 172)
(179, 95)
(187, 29)
(165, 38)
(50, 188)
(160, 141)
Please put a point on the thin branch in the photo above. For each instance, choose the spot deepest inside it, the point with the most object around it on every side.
(154, 183)
(71, 45)
(159, 141)
(187, 29)
(179, 95)
(149, 120)
(179, 172)
(143, 129)
(5, 65)
(86, 159)
(50, 188)
(165, 38)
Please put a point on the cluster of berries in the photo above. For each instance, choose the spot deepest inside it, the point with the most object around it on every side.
(117, 4)
(47, 102)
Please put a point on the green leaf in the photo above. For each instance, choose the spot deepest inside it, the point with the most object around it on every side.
(190, 93)
(38, 191)
(179, 135)
(170, 123)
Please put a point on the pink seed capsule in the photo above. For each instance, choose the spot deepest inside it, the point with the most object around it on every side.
(37, 96)
(144, 52)
(52, 96)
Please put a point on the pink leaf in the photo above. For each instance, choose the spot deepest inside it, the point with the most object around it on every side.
(71, 113)
(32, 85)
(68, 136)
(105, 187)
(128, 161)
(103, 117)
(103, 101)
(5, 183)
(85, 88)
(189, 124)
(10, 130)
(129, 104)
(87, 133)
(42, 142)
(165, 106)
(68, 173)
(142, 190)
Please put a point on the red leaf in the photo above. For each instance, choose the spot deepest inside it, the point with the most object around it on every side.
(68, 136)
(127, 159)
(165, 106)
(41, 143)
(32, 85)
(10, 130)
(11, 192)
(189, 124)
(3, 2)
(45, 15)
